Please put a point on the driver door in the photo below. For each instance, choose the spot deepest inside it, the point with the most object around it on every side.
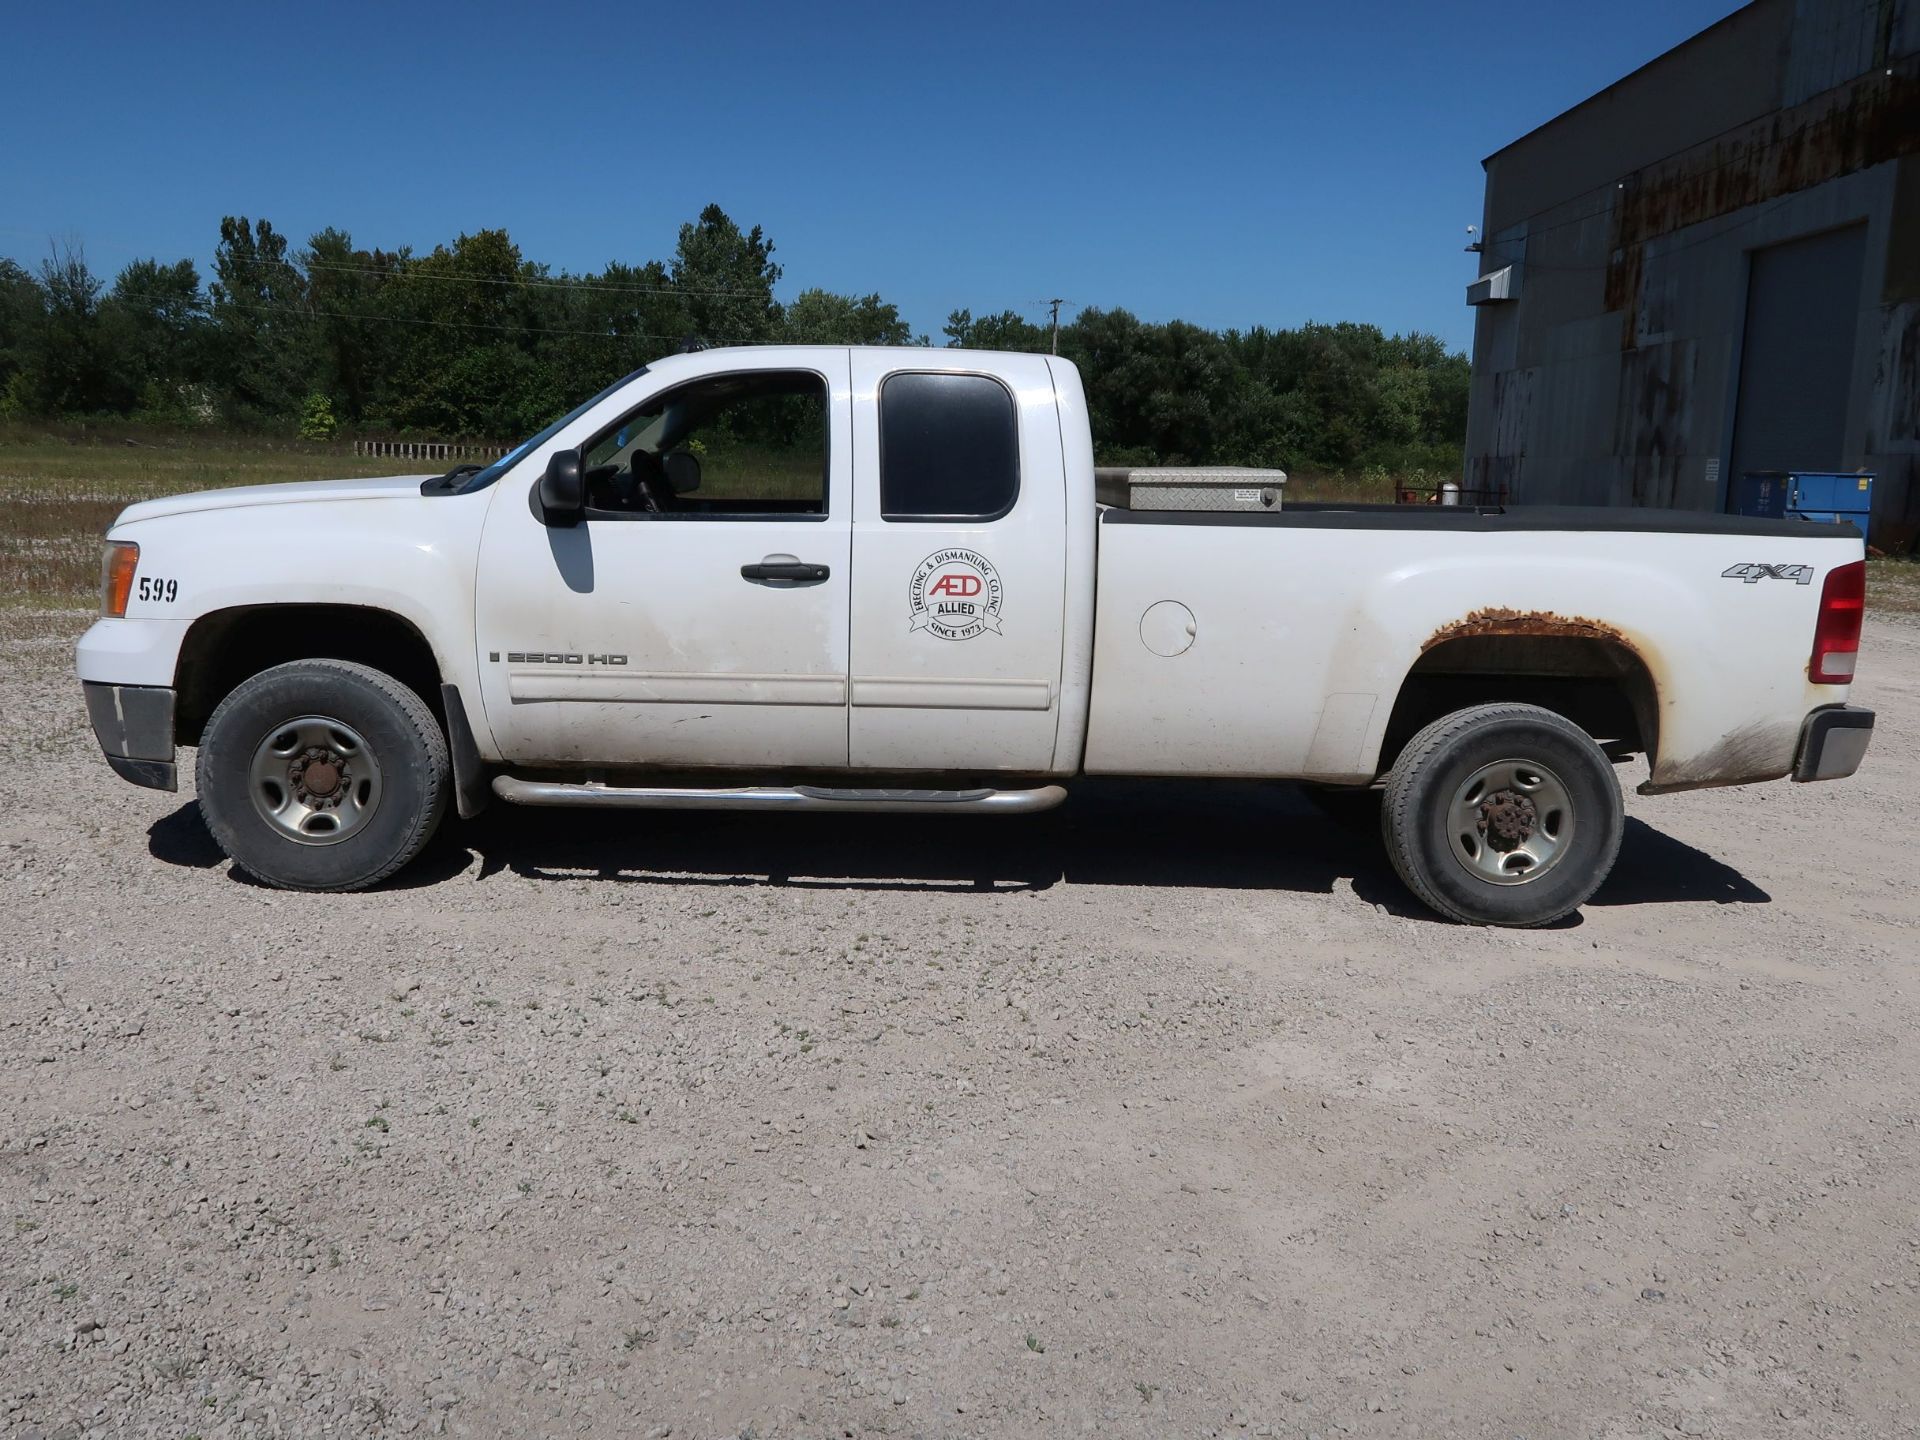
(698, 615)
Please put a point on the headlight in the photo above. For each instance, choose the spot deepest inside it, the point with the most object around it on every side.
(118, 561)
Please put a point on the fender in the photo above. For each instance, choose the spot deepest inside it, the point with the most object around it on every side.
(403, 553)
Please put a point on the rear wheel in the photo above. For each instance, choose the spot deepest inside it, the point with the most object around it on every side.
(1503, 815)
(323, 775)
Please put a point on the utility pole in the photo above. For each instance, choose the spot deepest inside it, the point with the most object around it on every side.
(1055, 305)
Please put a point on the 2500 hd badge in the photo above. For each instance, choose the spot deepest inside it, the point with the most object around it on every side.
(555, 657)
(955, 594)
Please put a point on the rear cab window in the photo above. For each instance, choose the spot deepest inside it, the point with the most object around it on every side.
(949, 447)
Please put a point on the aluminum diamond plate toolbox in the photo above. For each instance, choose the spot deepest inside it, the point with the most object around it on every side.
(1218, 487)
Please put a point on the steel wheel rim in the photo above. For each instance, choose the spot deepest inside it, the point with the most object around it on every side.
(1510, 822)
(314, 780)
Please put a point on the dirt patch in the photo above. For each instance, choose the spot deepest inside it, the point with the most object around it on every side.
(1165, 1113)
(1754, 753)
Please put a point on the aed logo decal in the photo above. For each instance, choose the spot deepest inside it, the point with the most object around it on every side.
(542, 657)
(955, 595)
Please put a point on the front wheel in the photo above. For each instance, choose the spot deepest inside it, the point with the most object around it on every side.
(322, 775)
(1502, 815)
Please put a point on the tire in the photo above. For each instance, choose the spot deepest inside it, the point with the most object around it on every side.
(356, 761)
(1502, 815)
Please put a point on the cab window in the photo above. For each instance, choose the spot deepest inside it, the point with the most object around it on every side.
(751, 444)
(949, 447)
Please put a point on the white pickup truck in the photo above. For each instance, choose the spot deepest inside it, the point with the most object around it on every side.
(823, 578)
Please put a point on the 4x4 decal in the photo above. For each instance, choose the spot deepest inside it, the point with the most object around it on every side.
(1752, 573)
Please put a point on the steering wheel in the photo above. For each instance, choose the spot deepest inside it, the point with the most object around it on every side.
(651, 489)
(603, 487)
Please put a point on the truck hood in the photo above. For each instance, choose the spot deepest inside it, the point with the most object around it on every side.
(296, 492)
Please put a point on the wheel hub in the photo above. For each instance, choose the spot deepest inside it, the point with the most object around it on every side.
(1506, 819)
(1510, 822)
(318, 775)
(315, 780)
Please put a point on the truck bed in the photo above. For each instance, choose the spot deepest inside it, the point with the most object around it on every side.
(1251, 644)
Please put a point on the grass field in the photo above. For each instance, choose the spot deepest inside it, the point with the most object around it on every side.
(60, 491)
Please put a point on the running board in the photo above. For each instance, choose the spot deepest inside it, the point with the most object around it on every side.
(594, 795)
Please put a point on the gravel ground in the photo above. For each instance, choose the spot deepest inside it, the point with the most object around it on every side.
(1165, 1114)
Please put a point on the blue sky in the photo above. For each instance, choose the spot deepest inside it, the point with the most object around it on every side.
(1230, 164)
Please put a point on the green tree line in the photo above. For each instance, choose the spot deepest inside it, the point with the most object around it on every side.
(475, 340)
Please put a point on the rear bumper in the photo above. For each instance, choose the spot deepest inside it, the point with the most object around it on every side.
(1833, 742)
(134, 725)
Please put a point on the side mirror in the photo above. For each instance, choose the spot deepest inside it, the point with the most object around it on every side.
(563, 490)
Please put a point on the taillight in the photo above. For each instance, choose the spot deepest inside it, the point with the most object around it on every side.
(1836, 634)
(117, 564)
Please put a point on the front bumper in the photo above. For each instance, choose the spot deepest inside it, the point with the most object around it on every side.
(1833, 742)
(134, 725)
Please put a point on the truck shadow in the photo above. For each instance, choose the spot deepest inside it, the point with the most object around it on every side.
(1655, 868)
(1251, 835)
(1254, 835)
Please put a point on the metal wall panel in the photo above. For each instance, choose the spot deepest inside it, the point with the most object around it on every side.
(1906, 27)
(1832, 43)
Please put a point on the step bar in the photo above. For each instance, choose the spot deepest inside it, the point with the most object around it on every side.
(595, 796)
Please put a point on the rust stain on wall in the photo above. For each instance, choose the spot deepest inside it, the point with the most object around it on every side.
(1903, 398)
(1655, 419)
(1893, 431)
(1875, 119)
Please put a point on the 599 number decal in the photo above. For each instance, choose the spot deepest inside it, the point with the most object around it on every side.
(1753, 574)
(163, 592)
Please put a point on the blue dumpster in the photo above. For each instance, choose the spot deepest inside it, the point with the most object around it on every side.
(1831, 499)
(1762, 493)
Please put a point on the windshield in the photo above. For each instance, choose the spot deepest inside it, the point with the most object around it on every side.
(480, 479)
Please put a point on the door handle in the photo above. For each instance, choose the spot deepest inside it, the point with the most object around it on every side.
(784, 567)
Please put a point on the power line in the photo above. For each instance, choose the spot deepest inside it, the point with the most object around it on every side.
(307, 312)
(562, 282)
